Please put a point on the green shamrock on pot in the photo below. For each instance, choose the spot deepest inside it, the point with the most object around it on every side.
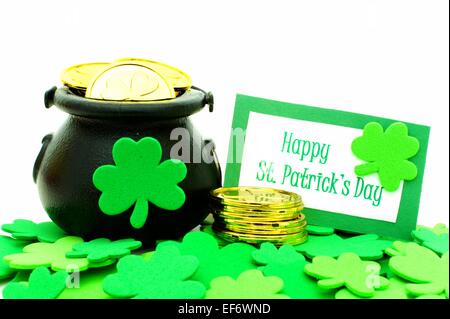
(139, 178)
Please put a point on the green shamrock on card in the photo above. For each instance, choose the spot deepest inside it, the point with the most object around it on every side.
(24, 229)
(386, 153)
(427, 238)
(42, 284)
(139, 178)
(251, 284)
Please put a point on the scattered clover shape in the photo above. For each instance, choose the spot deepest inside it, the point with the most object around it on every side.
(24, 229)
(360, 277)
(386, 153)
(251, 284)
(395, 290)
(438, 229)
(42, 284)
(427, 238)
(139, 178)
(368, 247)
(9, 246)
(164, 275)
(425, 269)
(102, 249)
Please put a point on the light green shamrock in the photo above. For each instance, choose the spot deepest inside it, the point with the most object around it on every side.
(138, 178)
(386, 153)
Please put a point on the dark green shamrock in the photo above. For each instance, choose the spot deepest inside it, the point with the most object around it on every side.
(427, 238)
(102, 249)
(47, 232)
(138, 178)
(386, 153)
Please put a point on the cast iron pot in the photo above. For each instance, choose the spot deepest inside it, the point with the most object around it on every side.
(65, 165)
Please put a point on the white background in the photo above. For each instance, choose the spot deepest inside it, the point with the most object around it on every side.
(384, 58)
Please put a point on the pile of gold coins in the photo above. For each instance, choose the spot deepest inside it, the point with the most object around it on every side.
(256, 215)
(127, 79)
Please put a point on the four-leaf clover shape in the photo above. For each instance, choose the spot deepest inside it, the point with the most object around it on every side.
(139, 178)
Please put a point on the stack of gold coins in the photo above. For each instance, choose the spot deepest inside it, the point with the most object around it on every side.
(126, 79)
(256, 215)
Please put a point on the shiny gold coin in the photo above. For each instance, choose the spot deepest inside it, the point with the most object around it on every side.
(262, 224)
(78, 77)
(179, 79)
(268, 217)
(261, 231)
(129, 82)
(258, 239)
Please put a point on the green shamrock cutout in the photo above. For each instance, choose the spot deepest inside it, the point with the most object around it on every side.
(231, 260)
(427, 238)
(9, 246)
(102, 249)
(319, 230)
(368, 247)
(287, 264)
(438, 229)
(395, 290)
(360, 277)
(24, 229)
(251, 284)
(139, 178)
(41, 285)
(425, 269)
(386, 153)
(51, 255)
(164, 275)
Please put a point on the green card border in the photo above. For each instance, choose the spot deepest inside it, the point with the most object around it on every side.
(410, 200)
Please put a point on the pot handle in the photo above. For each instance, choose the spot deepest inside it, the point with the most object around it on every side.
(209, 98)
(37, 164)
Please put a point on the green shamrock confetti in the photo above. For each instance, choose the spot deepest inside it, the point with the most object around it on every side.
(427, 238)
(251, 284)
(319, 230)
(139, 178)
(102, 249)
(386, 153)
(51, 255)
(9, 246)
(24, 229)
(425, 269)
(287, 264)
(438, 229)
(41, 285)
(163, 276)
(230, 260)
(395, 290)
(368, 247)
(360, 277)
(208, 229)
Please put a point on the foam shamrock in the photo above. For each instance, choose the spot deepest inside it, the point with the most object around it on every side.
(251, 284)
(319, 230)
(208, 229)
(360, 277)
(427, 238)
(287, 264)
(426, 270)
(41, 285)
(230, 260)
(24, 229)
(395, 290)
(386, 153)
(163, 276)
(51, 255)
(368, 247)
(9, 246)
(138, 178)
(102, 249)
(438, 229)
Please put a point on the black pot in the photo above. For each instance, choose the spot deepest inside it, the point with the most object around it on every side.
(64, 168)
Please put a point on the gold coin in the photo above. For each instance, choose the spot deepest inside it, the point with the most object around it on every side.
(299, 223)
(179, 79)
(129, 82)
(257, 239)
(268, 217)
(261, 231)
(79, 76)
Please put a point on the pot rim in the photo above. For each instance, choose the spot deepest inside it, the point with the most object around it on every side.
(190, 102)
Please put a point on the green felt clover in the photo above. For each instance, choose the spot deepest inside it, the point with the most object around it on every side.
(427, 271)
(395, 290)
(368, 247)
(360, 277)
(319, 230)
(287, 264)
(386, 153)
(24, 229)
(139, 178)
(41, 285)
(251, 284)
(438, 229)
(230, 260)
(102, 249)
(9, 246)
(163, 276)
(427, 238)
(51, 255)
